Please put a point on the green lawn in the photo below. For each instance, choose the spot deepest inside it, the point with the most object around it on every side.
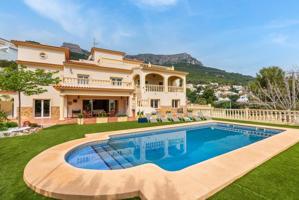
(276, 179)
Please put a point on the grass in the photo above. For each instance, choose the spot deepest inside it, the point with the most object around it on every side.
(16, 152)
(276, 179)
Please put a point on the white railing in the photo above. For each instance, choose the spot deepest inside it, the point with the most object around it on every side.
(160, 88)
(175, 89)
(154, 88)
(95, 83)
(271, 116)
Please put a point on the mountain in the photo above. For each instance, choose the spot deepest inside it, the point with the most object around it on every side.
(202, 74)
(198, 73)
(76, 52)
(162, 59)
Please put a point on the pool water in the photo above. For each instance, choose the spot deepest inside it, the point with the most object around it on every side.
(171, 149)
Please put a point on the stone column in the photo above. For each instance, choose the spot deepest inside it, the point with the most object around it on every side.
(129, 106)
(165, 83)
(142, 82)
(62, 106)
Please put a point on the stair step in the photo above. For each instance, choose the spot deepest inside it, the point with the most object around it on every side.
(107, 158)
(123, 161)
(95, 160)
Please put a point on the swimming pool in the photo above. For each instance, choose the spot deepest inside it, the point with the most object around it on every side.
(171, 149)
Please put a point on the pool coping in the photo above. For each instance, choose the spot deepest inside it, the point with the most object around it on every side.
(49, 174)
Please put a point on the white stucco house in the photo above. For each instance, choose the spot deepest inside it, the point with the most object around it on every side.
(105, 82)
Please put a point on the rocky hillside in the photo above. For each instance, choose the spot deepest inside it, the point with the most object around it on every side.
(198, 72)
(76, 51)
(162, 59)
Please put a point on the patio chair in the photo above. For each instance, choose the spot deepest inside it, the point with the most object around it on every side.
(197, 118)
(151, 119)
(164, 119)
(175, 119)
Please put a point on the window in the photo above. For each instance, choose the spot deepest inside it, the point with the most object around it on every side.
(116, 81)
(42, 108)
(43, 55)
(83, 79)
(155, 103)
(175, 103)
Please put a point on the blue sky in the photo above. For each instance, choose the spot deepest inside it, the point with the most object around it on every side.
(235, 35)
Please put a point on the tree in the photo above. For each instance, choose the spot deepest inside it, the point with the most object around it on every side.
(234, 97)
(209, 95)
(191, 95)
(21, 80)
(274, 89)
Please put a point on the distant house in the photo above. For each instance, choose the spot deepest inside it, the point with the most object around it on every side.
(191, 87)
(226, 99)
(243, 99)
(8, 51)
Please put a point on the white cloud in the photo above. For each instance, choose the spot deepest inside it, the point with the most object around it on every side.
(65, 13)
(279, 39)
(155, 3)
(85, 23)
(282, 23)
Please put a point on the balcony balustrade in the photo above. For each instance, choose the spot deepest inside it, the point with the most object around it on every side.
(154, 88)
(95, 83)
(160, 88)
(175, 89)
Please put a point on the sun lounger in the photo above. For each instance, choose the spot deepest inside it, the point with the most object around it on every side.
(175, 119)
(197, 118)
(187, 119)
(153, 120)
(164, 119)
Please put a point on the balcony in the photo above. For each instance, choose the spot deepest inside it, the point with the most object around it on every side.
(95, 83)
(154, 88)
(160, 88)
(175, 89)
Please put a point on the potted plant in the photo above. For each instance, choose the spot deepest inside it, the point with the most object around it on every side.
(141, 117)
(122, 118)
(80, 119)
(102, 118)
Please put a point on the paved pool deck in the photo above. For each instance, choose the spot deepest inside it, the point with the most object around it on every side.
(49, 174)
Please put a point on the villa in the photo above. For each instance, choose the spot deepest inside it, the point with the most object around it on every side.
(105, 82)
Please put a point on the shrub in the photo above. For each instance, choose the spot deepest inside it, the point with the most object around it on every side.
(122, 115)
(3, 128)
(11, 124)
(3, 116)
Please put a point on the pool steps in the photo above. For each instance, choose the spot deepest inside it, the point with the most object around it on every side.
(111, 158)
